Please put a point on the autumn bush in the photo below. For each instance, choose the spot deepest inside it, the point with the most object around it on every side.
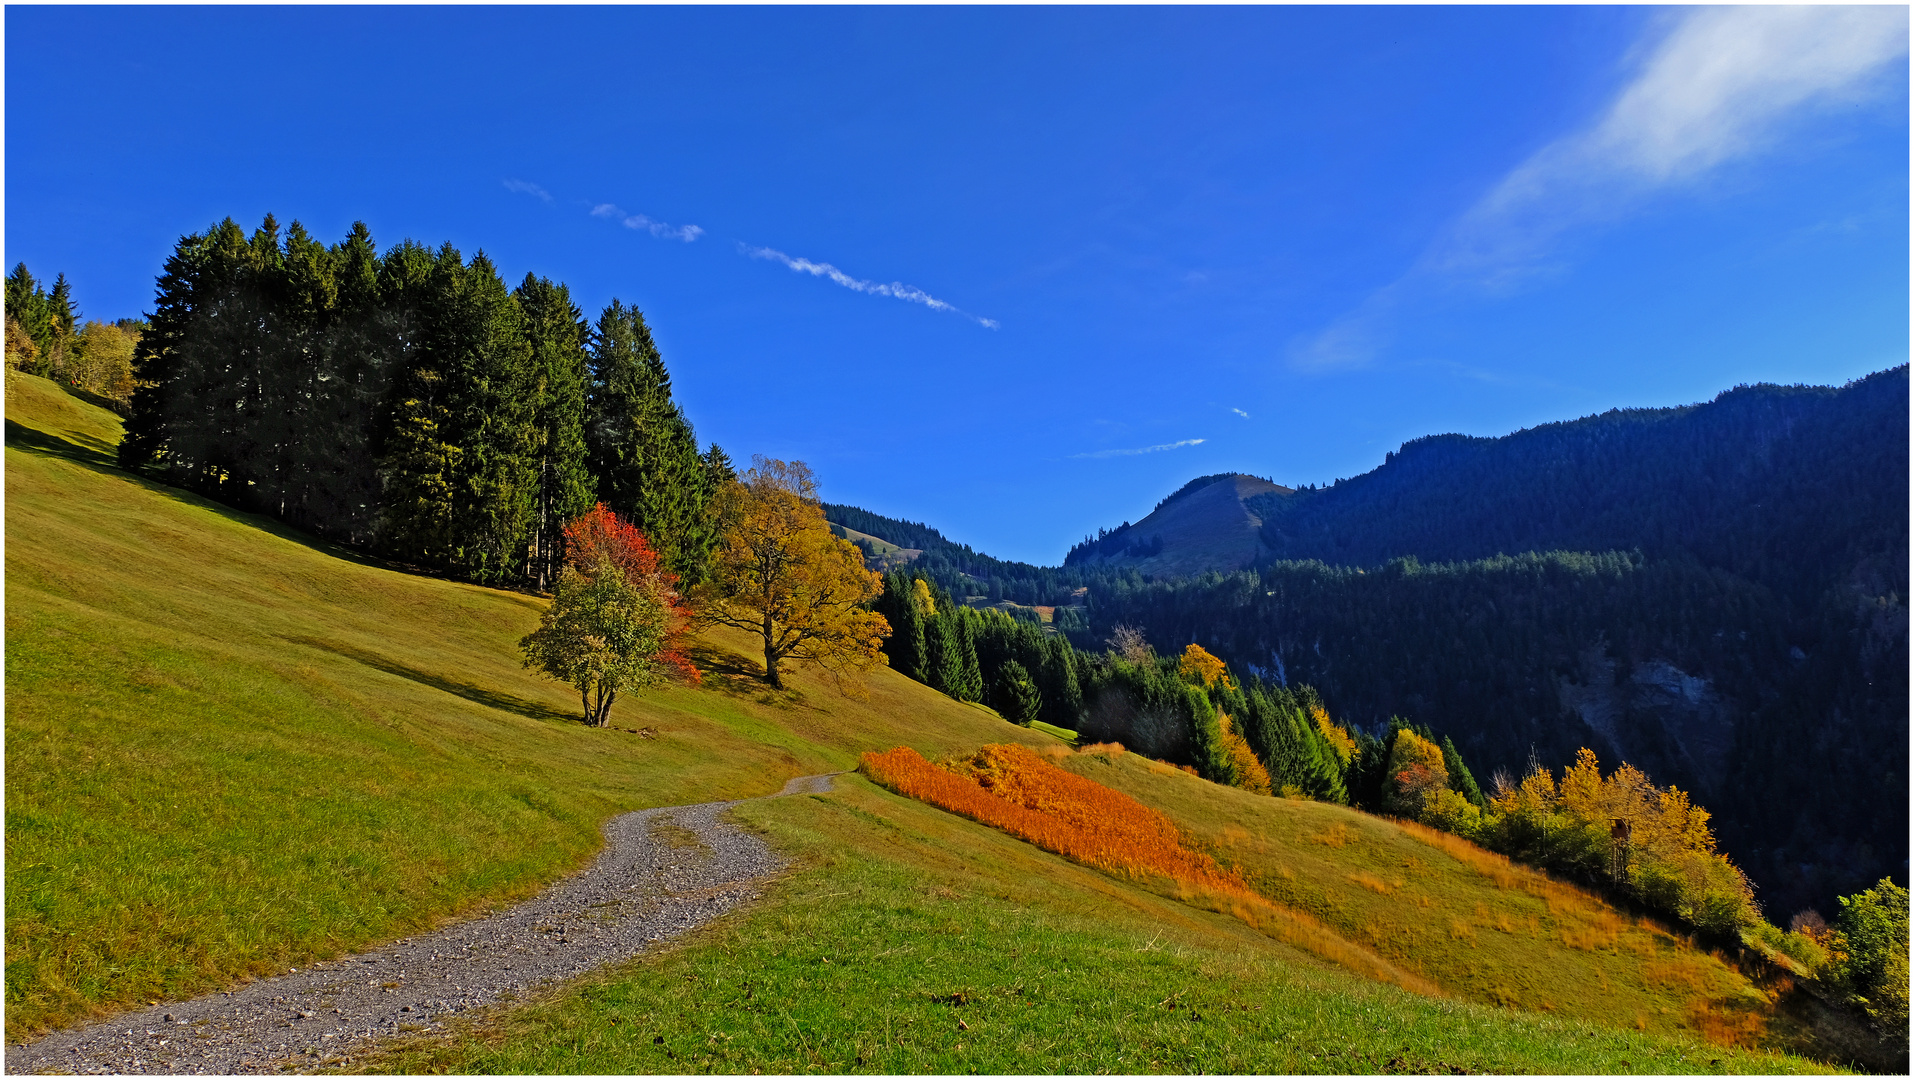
(1011, 788)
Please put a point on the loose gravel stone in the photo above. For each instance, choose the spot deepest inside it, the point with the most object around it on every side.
(641, 890)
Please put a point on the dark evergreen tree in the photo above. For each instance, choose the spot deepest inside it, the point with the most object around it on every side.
(1014, 695)
(642, 449)
(557, 334)
(356, 354)
(29, 306)
(906, 647)
(1056, 676)
(460, 462)
(944, 654)
(1460, 778)
(970, 673)
(198, 367)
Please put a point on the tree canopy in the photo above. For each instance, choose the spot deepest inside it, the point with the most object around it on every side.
(778, 572)
(615, 622)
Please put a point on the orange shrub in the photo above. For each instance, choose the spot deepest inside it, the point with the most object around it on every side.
(1012, 789)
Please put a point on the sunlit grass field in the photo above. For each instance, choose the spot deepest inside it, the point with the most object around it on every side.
(232, 749)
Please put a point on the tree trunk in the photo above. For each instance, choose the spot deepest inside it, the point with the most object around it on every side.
(770, 658)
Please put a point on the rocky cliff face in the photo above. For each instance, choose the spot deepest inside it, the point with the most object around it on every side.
(1656, 717)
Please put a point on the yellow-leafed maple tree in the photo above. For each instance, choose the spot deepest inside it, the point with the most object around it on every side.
(779, 573)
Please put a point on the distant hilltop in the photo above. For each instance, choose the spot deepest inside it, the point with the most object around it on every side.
(1207, 524)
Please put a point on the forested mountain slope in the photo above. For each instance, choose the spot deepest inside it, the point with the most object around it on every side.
(955, 567)
(1744, 636)
(1795, 487)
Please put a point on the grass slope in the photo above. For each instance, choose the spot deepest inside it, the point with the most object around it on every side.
(1480, 927)
(232, 749)
(903, 922)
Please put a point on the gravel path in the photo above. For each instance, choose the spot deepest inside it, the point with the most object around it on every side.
(663, 872)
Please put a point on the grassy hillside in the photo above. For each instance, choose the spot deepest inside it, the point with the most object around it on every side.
(284, 752)
(1193, 531)
(902, 923)
(1479, 927)
(232, 750)
(879, 554)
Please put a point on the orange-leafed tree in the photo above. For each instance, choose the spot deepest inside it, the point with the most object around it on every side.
(780, 574)
(616, 621)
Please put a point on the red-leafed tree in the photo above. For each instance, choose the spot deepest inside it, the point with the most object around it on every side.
(599, 536)
(616, 620)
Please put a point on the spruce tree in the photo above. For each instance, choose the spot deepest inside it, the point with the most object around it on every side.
(301, 299)
(970, 672)
(944, 657)
(557, 333)
(1014, 696)
(61, 322)
(27, 305)
(356, 355)
(495, 409)
(459, 463)
(642, 449)
(905, 648)
(1460, 777)
(197, 367)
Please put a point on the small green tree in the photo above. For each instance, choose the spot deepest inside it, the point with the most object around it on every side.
(1873, 947)
(615, 617)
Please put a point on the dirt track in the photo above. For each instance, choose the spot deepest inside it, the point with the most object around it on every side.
(662, 872)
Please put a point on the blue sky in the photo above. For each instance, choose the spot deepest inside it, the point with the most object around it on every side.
(1020, 272)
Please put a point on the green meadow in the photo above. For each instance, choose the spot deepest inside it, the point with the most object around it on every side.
(233, 749)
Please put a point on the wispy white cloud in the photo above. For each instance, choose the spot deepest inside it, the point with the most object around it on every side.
(1718, 86)
(526, 187)
(1240, 413)
(640, 222)
(1140, 450)
(896, 289)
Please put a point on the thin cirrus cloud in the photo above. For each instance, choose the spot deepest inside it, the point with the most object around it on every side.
(1140, 450)
(664, 231)
(640, 222)
(526, 187)
(1720, 85)
(1240, 413)
(896, 290)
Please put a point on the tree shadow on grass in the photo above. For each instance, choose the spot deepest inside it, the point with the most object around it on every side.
(496, 699)
(83, 448)
(737, 675)
(103, 457)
